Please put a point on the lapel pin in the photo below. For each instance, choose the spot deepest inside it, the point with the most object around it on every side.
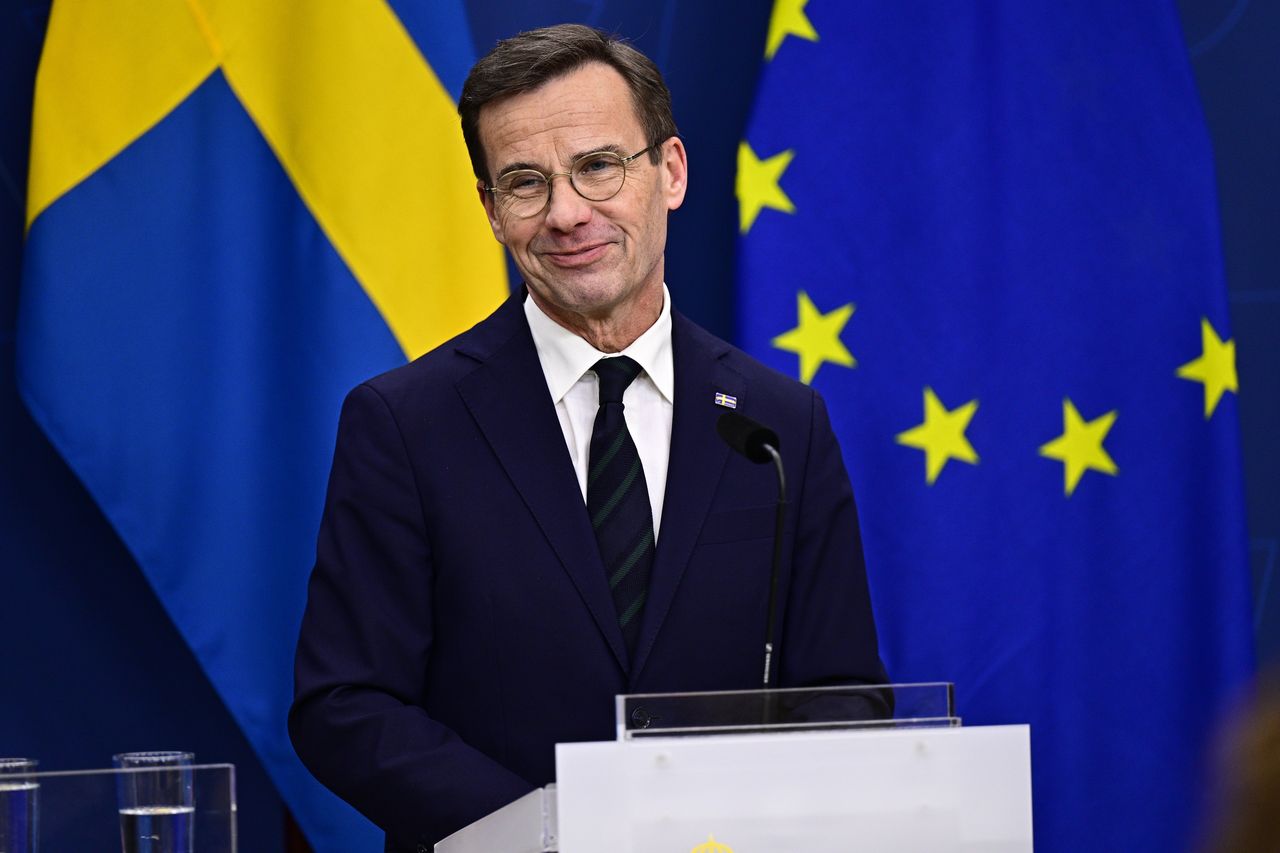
(723, 399)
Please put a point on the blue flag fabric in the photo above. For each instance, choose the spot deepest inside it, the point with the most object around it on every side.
(987, 234)
(141, 386)
(188, 330)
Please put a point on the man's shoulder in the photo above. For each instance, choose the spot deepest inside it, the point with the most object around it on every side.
(447, 364)
(759, 376)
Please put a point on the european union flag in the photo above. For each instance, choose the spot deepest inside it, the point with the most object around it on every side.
(987, 233)
(237, 211)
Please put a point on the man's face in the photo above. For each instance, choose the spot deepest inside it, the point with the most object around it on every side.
(587, 258)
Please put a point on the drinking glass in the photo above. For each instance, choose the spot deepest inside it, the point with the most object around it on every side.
(19, 799)
(157, 804)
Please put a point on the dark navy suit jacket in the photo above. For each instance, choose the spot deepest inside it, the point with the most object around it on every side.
(459, 622)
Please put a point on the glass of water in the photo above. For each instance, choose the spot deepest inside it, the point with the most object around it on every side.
(157, 803)
(19, 796)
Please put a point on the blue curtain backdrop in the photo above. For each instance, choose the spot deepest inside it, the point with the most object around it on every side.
(94, 634)
(987, 233)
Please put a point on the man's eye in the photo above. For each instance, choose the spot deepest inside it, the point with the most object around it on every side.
(523, 183)
(603, 167)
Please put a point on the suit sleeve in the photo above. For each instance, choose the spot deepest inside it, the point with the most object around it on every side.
(358, 720)
(830, 631)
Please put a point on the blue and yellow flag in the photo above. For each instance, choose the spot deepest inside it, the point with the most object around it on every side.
(238, 210)
(987, 233)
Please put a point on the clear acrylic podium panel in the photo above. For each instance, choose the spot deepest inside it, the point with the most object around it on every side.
(78, 810)
(881, 706)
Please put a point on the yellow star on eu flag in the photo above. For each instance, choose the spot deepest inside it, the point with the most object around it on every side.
(1215, 368)
(817, 337)
(757, 185)
(788, 19)
(941, 436)
(1079, 448)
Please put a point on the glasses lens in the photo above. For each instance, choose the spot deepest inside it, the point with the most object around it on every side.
(524, 192)
(599, 176)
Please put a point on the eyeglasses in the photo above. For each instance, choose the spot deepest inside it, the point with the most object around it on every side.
(597, 176)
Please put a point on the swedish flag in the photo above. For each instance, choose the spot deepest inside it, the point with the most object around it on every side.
(237, 211)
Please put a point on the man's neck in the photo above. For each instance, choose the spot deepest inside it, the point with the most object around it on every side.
(615, 331)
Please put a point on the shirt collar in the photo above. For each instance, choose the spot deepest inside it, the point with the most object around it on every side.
(566, 357)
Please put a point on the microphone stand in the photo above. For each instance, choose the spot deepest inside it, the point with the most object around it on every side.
(759, 444)
(770, 710)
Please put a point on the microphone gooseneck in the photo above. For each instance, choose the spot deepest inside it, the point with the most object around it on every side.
(760, 444)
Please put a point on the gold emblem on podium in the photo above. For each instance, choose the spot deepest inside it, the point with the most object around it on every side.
(712, 846)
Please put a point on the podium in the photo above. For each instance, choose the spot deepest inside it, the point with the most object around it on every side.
(829, 770)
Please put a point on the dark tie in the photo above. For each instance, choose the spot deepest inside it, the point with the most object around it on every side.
(618, 499)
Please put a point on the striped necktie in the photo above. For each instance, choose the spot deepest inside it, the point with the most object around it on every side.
(618, 499)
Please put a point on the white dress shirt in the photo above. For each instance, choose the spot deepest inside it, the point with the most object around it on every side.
(567, 360)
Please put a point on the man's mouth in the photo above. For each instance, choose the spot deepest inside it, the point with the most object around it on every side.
(578, 257)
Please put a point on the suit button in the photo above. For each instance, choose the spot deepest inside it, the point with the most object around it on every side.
(422, 848)
(640, 718)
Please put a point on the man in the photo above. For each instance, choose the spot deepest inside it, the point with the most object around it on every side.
(504, 547)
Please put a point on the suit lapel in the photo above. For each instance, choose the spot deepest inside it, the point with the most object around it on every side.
(693, 471)
(507, 396)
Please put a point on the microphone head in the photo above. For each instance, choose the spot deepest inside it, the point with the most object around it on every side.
(746, 436)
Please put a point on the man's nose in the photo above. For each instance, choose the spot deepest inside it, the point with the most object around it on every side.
(566, 209)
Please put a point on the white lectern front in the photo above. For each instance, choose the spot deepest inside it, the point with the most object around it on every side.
(821, 771)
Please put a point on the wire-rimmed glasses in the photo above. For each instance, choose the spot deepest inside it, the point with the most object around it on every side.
(597, 176)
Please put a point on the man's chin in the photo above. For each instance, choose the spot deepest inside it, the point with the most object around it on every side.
(586, 294)
(591, 283)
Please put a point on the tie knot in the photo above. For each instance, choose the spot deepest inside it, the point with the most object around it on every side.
(615, 375)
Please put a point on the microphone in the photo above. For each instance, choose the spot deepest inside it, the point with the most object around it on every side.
(760, 444)
(746, 436)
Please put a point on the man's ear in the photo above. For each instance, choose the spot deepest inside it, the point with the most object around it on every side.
(491, 211)
(675, 172)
